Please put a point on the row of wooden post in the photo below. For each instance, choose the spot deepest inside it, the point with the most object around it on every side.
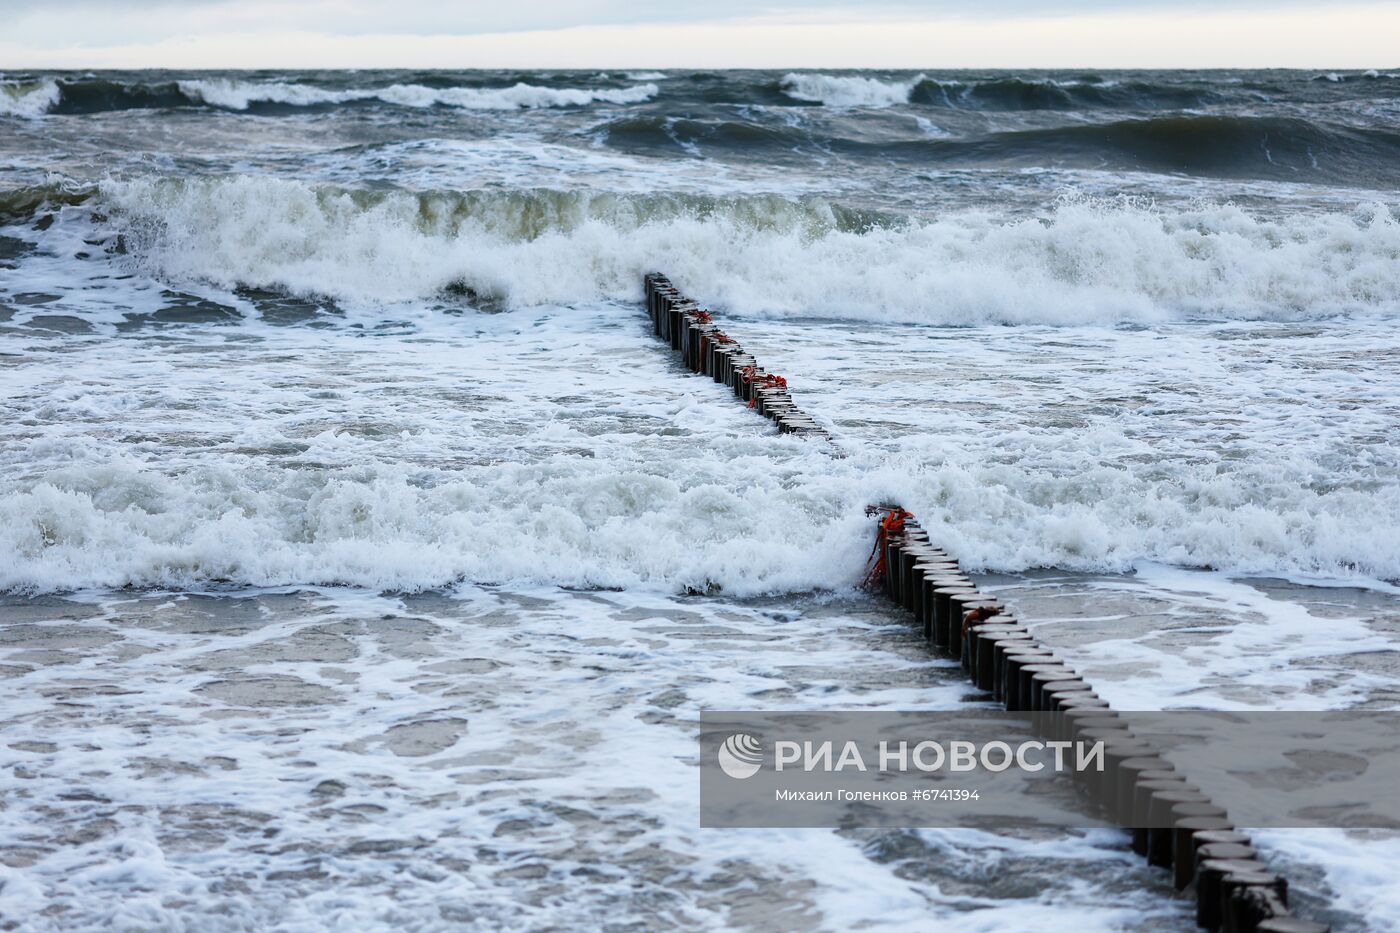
(709, 351)
(1173, 824)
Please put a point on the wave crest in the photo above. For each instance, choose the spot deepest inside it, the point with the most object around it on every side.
(1083, 261)
(28, 98)
(848, 91)
(239, 95)
(23, 202)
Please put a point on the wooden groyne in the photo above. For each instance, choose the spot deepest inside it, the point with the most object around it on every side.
(1174, 826)
(709, 351)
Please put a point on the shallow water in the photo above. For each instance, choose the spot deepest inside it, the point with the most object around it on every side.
(525, 756)
(490, 757)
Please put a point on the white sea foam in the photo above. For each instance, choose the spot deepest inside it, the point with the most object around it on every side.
(239, 95)
(1357, 866)
(28, 99)
(622, 487)
(848, 91)
(1035, 470)
(556, 739)
(499, 449)
(1081, 262)
(1165, 638)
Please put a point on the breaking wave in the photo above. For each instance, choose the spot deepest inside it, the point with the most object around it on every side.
(90, 95)
(239, 95)
(28, 98)
(835, 91)
(1083, 261)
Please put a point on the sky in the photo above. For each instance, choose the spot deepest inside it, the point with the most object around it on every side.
(37, 34)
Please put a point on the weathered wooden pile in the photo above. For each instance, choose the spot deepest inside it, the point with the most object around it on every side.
(709, 351)
(1173, 824)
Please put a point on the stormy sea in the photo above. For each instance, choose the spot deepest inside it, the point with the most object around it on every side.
(365, 562)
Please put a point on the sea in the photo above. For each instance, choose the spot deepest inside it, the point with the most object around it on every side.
(365, 562)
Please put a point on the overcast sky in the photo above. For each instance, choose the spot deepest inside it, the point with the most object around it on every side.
(687, 33)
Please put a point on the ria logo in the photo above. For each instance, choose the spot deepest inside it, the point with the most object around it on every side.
(741, 756)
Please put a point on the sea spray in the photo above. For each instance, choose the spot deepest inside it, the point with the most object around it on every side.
(1083, 261)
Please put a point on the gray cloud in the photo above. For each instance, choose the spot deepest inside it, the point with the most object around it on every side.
(85, 31)
(137, 19)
